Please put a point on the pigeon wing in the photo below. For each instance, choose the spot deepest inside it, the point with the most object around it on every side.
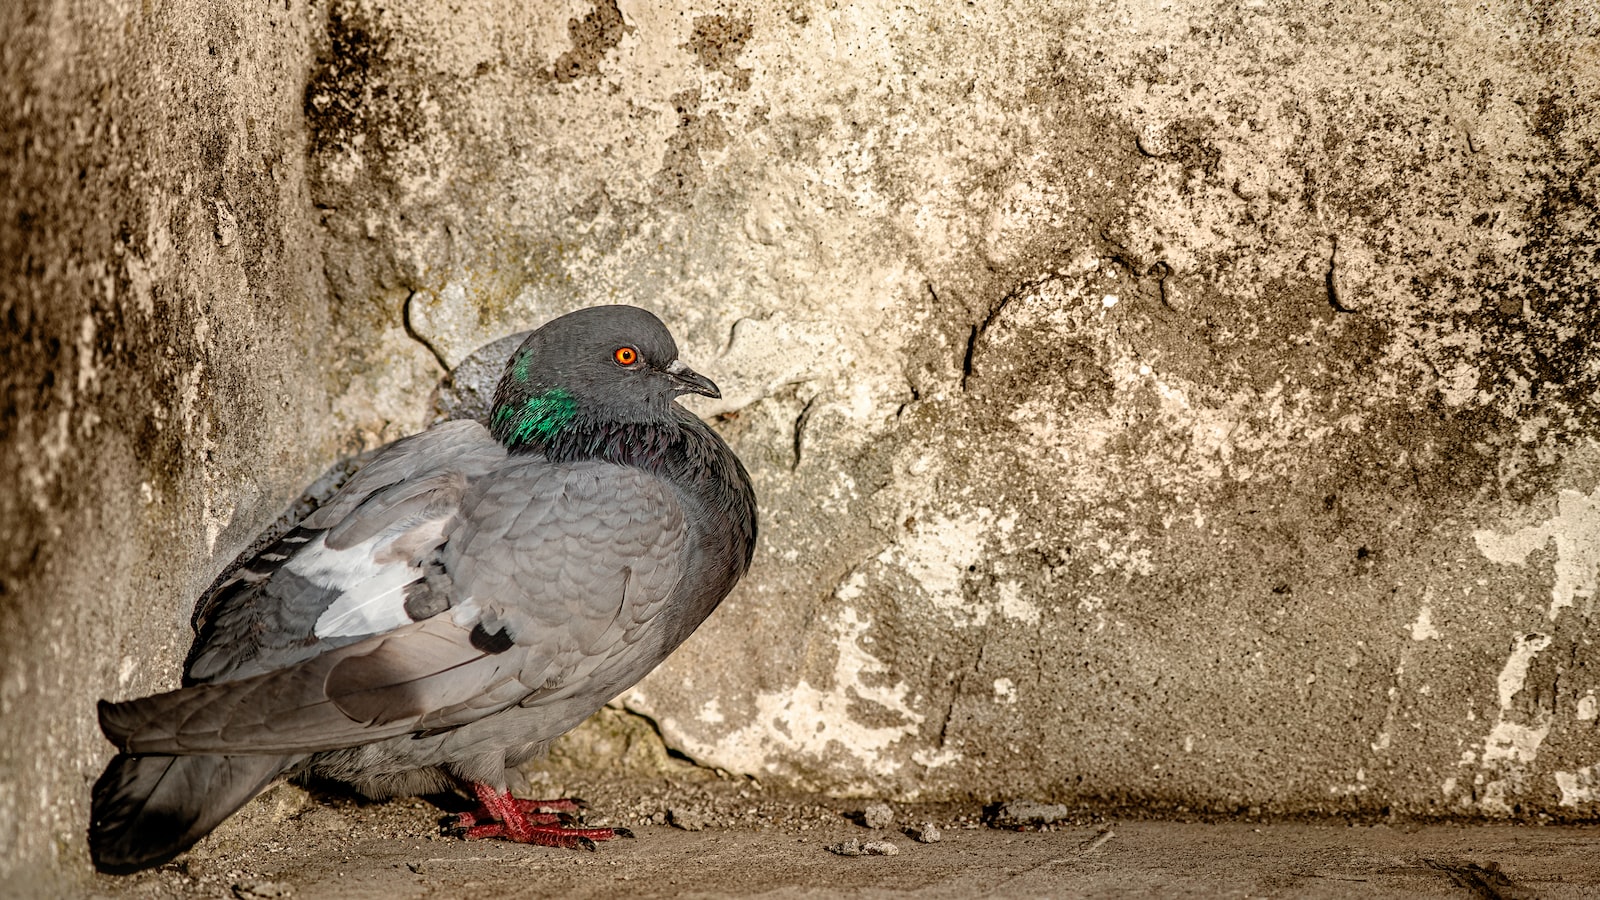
(556, 570)
(364, 563)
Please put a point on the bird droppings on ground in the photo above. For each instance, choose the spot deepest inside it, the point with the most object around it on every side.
(261, 889)
(926, 833)
(851, 847)
(1098, 841)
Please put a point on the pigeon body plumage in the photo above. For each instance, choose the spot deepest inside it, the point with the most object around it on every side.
(471, 594)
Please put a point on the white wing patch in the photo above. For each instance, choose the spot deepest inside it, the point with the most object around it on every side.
(372, 594)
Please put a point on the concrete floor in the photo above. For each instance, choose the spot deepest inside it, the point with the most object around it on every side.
(290, 843)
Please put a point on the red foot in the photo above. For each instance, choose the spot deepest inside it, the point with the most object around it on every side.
(536, 812)
(500, 815)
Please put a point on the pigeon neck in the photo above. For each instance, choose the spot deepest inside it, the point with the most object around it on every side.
(533, 420)
(643, 445)
(555, 425)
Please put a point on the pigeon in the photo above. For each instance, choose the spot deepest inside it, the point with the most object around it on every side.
(472, 593)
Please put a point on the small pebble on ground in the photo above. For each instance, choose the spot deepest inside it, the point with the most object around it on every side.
(877, 815)
(854, 847)
(926, 833)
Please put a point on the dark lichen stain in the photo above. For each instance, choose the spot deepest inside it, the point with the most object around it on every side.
(1188, 143)
(362, 94)
(681, 169)
(717, 41)
(363, 101)
(344, 82)
(592, 37)
(1535, 307)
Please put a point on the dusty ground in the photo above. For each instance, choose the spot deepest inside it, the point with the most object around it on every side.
(306, 845)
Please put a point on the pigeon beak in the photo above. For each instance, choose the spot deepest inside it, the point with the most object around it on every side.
(692, 382)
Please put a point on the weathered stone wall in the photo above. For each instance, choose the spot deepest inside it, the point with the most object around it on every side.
(173, 370)
(1189, 407)
(1181, 405)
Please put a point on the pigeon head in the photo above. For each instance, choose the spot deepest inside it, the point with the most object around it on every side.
(590, 371)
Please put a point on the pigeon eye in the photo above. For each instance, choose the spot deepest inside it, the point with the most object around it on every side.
(625, 356)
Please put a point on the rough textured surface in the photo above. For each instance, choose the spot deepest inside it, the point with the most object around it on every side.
(174, 373)
(761, 843)
(1190, 408)
(1184, 406)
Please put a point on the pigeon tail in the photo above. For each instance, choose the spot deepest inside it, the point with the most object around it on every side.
(148, 809)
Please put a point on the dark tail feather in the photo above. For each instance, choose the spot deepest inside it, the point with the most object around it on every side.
(148, 809)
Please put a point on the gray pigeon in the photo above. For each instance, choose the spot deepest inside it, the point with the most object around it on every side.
(471, 594)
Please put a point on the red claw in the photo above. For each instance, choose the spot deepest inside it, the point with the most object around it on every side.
(542, 822)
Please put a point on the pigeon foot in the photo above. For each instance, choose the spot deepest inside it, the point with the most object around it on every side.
(547, 823)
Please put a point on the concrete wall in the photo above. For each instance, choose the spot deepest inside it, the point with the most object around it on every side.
(174, 371)
(1179, 405)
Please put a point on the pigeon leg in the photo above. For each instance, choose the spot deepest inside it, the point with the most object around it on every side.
(537, 812)
(504, 816)
(562, 805)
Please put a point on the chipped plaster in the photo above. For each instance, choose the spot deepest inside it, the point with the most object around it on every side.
(1579, 787)
(1512, 745)
(810, 726)
(1574, 531)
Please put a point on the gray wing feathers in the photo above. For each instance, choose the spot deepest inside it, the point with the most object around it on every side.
(391, 514)
(464, 683)
(425, 675)
(402, 505)
(148, 809)
(466, 445)
(554, 570)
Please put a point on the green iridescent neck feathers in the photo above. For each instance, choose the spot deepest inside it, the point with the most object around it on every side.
(596, 383)
(535, 419)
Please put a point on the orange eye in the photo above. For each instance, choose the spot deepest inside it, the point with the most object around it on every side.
(626, 356)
